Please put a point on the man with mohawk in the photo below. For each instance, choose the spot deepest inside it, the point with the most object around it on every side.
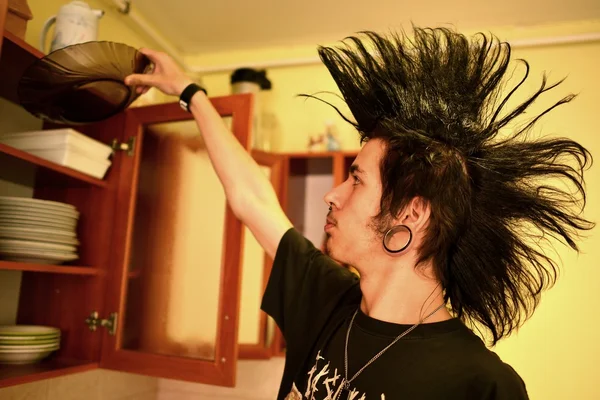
(432, 217)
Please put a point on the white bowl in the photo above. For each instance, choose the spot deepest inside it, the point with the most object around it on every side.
(29, 341)
(28, 347)
(28, 330)
(24, 357)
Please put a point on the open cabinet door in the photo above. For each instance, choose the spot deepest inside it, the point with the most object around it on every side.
(257, 330)
(174, 281)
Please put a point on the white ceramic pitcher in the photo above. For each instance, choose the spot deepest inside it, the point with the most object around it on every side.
(76, 22)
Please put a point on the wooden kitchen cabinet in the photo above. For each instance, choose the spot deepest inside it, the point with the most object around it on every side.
(155, 218)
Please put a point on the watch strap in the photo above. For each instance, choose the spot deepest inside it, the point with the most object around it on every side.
(186, 96)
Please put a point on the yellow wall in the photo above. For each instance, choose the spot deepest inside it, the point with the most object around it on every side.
(113, 26)
(557, 351)
(297, 118)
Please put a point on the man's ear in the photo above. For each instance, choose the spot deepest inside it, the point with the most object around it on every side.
(416, 214)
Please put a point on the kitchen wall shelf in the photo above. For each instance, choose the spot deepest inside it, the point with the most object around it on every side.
(52, 269)
(19, 374)
(52, 174)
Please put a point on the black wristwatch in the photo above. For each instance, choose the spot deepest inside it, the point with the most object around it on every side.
(186, 96)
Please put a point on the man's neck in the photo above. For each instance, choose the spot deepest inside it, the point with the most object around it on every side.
(401, 295)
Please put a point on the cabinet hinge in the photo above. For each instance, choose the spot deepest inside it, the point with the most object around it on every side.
(128, 146)
(93, 322)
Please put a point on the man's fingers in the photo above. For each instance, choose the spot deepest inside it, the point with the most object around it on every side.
(153, 55)
(141, 80)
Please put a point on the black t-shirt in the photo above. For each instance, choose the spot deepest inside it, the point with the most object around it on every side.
(312, 299)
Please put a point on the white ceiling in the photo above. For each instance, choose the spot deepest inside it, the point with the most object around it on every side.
(199, 26)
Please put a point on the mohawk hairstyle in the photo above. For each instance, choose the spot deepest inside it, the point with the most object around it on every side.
(436, 102)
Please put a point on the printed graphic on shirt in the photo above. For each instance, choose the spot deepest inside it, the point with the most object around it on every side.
(326, 384)
(294, 394)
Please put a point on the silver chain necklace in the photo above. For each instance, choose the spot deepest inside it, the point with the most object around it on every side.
(345, 384)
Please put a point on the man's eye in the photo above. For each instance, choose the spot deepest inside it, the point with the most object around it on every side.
(355, 179)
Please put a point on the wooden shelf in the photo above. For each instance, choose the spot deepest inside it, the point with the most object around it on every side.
(51, 174)
(16, 56)
(52, 269)
(18, 374)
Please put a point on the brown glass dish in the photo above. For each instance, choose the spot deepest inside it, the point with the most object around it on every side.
(82, 83)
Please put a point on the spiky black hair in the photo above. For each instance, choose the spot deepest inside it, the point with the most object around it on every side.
(437, 101)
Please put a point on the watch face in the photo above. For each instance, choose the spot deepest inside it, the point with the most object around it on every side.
(183, 105)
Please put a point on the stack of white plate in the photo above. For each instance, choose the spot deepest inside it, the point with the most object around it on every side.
(37, 231)
(65, 147)
(26, 344)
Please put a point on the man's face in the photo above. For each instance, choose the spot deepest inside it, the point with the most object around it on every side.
(351, 238)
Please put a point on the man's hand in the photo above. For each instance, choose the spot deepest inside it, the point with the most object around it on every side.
(167, 76)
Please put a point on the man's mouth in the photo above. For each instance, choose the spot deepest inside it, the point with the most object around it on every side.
(330, 223)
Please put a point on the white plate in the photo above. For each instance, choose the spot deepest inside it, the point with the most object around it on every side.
(38, 217)
(17, 337)
(36, 202)
(28, 330)
(30, 341)
(6, 233)
(14, 340)
(28, 347)
(24, 358)
(8, 244)
(52, 138)
(28, 223)
(37, 256)
(28, 209)
(68, 233)
(70, 157)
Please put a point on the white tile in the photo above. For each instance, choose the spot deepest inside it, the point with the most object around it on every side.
(81, 386)
(256, 380)
(198, 396)
(117, 385)
(151, 395)
(28, 391)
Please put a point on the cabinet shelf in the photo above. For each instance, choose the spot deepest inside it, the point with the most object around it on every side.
(18, 374)
(53, 269)
(51, 174)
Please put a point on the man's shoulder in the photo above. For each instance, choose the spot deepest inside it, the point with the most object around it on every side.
(464, 361)
(498, 380)
(485, 372)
